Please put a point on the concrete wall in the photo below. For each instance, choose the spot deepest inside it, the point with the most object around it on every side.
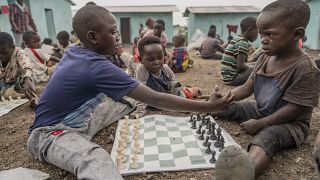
(313, 29)
(61, 15)
(139, 18)
(203, 22)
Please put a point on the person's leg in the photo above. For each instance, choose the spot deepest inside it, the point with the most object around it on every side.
(316, 154)
(240, 112)
(242, 77)
(267, 142)
(18, 38)
(73, 152)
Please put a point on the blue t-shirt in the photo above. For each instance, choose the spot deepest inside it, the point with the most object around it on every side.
(81, 75)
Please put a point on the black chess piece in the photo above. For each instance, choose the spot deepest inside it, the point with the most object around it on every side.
(221, 143)
(201, 137)
(198, 117)
(208, 123)
(203, 122)
(218, 142)
(213, 125)
(191, 118)
(194, 124)
(199, 129)
(210, 130)
(208, 150)
(205, 143)
(213, 158)
(213, 134)
(219, 131)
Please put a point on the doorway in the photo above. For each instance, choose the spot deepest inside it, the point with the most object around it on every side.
(125, 30)
(50, 24)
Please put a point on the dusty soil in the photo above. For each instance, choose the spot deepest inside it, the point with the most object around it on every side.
(290, 164)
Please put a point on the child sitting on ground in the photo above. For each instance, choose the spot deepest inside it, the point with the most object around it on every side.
(15, 69)
(38, 58)
(284, 83)
(158, 76)
(63, 42)
(210, 46)
(180, 57)
(234, 69)
(158, 30)
(82, 97)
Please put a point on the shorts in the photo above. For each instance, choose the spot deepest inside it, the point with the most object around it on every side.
(271, 139)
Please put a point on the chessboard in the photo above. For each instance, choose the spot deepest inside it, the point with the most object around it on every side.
(6, 105)
(158, 143)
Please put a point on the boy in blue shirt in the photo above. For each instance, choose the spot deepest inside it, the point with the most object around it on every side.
(83, 95)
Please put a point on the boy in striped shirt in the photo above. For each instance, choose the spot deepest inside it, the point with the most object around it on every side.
(234, 69)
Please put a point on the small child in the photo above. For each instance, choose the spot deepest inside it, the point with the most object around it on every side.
(15, 69)
(234, 69)
(285, 83)
(85, 95)
(149, 24)
(38, 58)
(158, 30)
(210, 46)
(63, 42)
(180, 57)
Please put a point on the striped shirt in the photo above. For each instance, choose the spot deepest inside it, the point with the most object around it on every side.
(20, 18)
(229, 59)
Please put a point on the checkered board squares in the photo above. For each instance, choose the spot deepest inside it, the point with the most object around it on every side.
(167, 144)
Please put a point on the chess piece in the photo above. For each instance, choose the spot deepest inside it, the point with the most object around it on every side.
(205, 143)
(2, 98)
(210, 130)
(208, 150)
(202, 135)
(191, 118)
(199, 129)
(120, 163)
(221, 143)
(19, 98)
(219, 131)
(194, 126)
(208, 123)
(217, 143)
(213, 125)
(213, 134)
(134, 164)
(203, 122)
(10, 98)
(198, 117)
(213, 159)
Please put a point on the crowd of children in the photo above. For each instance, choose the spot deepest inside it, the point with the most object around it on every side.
(88, 90)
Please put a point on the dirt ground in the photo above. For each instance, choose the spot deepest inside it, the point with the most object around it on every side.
(290, 164)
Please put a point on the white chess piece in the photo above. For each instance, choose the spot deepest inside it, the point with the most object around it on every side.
(120, 163)
(134, 164)
(2, 98)
(10, 98)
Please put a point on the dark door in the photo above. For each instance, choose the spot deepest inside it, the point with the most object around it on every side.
(125, 30)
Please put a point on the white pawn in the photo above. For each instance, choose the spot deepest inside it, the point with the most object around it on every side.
(120, 163)
(134, 164)
(10, 98)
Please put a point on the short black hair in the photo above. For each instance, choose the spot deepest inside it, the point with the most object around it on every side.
(146, 41)
(296, 13)
(63, 35)
(27, 36)
(180, 39)
(160, 21)
(148, 21)
(248, 23)
(212, 26)
(47, 41)
(212, 33)
(91, 3)
(89, 18)
(6, 39)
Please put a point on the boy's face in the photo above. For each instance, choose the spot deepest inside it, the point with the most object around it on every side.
(276, 38)
(153, 57)
(6, 52)
(64, 42)
(253, 34)
(158, 29)
(105, 40)
(34, 42)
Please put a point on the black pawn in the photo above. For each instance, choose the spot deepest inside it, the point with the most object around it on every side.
(219, 131)
(208, 150)
(191, 118)
(213, 158)
(221, 143)
(199, 129)
(201, 137)
(210, 130)
(213, 134)
(217, 143)
(213, 125)
(194, 126)
(208, 124)
(203, 122)
(205, 143)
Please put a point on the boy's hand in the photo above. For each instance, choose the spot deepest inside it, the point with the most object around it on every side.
(251, 126)
(28, 86)
(219, 102)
